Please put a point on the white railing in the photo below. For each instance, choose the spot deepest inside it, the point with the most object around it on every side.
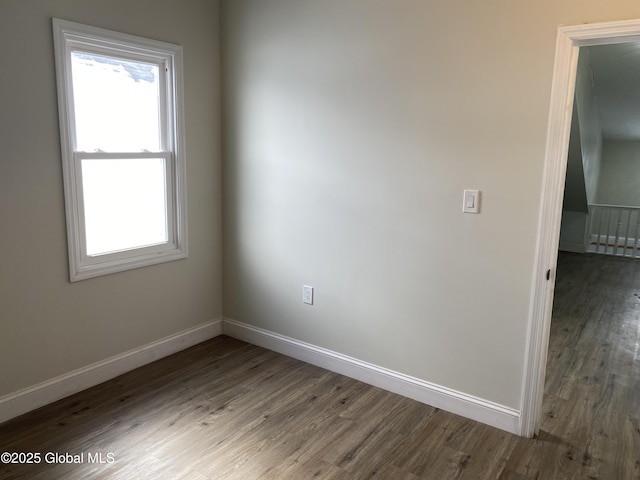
(613, 230)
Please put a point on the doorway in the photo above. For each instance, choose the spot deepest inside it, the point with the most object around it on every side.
(569, 40)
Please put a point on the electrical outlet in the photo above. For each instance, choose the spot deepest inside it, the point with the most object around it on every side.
(307, 294)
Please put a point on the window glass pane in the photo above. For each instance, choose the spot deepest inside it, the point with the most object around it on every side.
(124, 204)
(116, 104)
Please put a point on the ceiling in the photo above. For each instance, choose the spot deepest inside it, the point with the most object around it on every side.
(616, 81)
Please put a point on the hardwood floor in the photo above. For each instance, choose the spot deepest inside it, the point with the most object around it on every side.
(592, 390)
(228, 410)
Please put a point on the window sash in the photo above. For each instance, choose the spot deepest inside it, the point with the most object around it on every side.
(166, 91)
(169, 186)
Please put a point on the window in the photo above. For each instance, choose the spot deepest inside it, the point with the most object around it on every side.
(120, 105)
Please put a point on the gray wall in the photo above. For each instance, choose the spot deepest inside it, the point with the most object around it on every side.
(574, 206)
(575, 193)
(572, 231)
(619, 182)
(585, 130)
(49, 326)
(351, 129)
(590, 128)
(598, 171)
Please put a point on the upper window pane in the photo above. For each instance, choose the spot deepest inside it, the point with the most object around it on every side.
(116, 104)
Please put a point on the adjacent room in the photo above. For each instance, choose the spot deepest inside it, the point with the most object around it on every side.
(326, 250)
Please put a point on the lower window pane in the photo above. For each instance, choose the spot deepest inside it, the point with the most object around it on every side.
(124, 204)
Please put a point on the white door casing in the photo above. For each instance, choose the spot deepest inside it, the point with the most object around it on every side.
(568, 42)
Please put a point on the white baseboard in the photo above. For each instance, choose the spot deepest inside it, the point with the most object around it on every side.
(23, 401)
(468, 406)
(572, 247)
(444, 398)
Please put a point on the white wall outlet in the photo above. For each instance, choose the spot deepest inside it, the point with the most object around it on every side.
(471, 201)
(307, 294)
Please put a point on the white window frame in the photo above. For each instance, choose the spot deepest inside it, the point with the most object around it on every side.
(70, 37)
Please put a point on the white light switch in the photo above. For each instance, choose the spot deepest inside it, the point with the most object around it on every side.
(471, 201)
(307, 294)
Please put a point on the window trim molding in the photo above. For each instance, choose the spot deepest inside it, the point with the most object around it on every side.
(68, 35)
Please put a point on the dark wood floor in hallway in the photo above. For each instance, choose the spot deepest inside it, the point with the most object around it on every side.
(229, 410)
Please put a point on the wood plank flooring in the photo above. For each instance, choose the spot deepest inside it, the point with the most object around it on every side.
(228, 410)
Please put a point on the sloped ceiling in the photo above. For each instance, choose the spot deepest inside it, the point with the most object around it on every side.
(616, 81)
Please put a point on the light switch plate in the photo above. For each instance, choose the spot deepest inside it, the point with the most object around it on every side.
(307, 294)
(471, 201)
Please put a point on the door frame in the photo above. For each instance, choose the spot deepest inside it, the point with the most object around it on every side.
(568, 42)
